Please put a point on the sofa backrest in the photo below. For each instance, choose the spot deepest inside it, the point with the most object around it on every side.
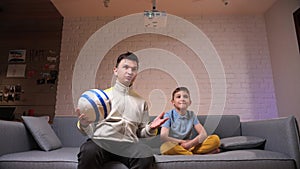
(222, 125)
(65, 128)
(14, 137)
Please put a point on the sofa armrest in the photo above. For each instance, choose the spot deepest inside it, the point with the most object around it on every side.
(282, 135)
(14, 137)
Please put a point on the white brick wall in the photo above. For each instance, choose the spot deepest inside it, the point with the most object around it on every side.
(240, 42)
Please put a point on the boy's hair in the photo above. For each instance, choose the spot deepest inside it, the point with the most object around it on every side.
(128, 55)
(178, 89)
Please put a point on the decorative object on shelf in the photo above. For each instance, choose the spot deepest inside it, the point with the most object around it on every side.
(6, 93)
(53, 77)
(18, 91)
(31, 112)
(11, 93)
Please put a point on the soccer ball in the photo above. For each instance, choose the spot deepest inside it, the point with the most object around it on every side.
(95, 104)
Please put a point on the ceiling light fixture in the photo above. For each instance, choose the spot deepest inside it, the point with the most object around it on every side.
(155, 18)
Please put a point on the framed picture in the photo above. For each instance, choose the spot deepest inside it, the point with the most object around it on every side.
(16, 56)
(16, 70)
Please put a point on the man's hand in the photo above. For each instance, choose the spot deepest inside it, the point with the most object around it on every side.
(158, 121)
(83, 119)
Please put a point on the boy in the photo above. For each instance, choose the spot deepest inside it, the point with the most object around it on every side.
(176, 131)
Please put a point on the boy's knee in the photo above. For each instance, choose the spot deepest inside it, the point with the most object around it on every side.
(215, 140)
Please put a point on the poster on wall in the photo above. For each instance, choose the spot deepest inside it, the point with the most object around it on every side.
(16, 70)
(16, 56)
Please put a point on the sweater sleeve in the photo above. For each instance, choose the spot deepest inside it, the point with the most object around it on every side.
(144, 127)
(86, 130)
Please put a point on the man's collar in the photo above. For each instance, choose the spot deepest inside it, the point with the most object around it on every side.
(121, 87)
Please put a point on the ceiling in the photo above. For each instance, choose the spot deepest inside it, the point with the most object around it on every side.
(79, 8)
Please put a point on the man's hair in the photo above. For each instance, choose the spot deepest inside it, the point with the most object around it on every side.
(178, 89)
(128, 55)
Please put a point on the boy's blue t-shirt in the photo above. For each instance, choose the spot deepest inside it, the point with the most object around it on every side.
(180, 127)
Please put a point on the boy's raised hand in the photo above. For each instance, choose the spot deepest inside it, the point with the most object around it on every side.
(158, 121)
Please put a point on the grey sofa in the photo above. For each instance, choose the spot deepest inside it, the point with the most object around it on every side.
(18, 149)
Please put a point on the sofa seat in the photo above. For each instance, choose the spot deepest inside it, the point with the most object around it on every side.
(63, 158)
(231, 159)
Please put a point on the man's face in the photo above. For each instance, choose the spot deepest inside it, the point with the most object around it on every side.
(126, 71)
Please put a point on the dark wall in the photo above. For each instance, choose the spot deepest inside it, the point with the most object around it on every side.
(36, 27)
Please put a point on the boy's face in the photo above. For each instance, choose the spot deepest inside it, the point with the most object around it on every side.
(181, 100)
(126, 71)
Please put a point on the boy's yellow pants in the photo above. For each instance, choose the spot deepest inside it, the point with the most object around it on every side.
(210, 144)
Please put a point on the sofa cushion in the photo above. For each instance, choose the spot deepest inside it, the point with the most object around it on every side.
(63, 158)
(246, 159)
(42, 132)
(242, 142)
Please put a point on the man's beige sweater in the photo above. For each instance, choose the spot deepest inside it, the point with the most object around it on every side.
(128, 119)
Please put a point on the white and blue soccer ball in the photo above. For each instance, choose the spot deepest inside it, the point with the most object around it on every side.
(95, 104)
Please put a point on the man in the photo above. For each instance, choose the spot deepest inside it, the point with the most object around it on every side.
(117, 137)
